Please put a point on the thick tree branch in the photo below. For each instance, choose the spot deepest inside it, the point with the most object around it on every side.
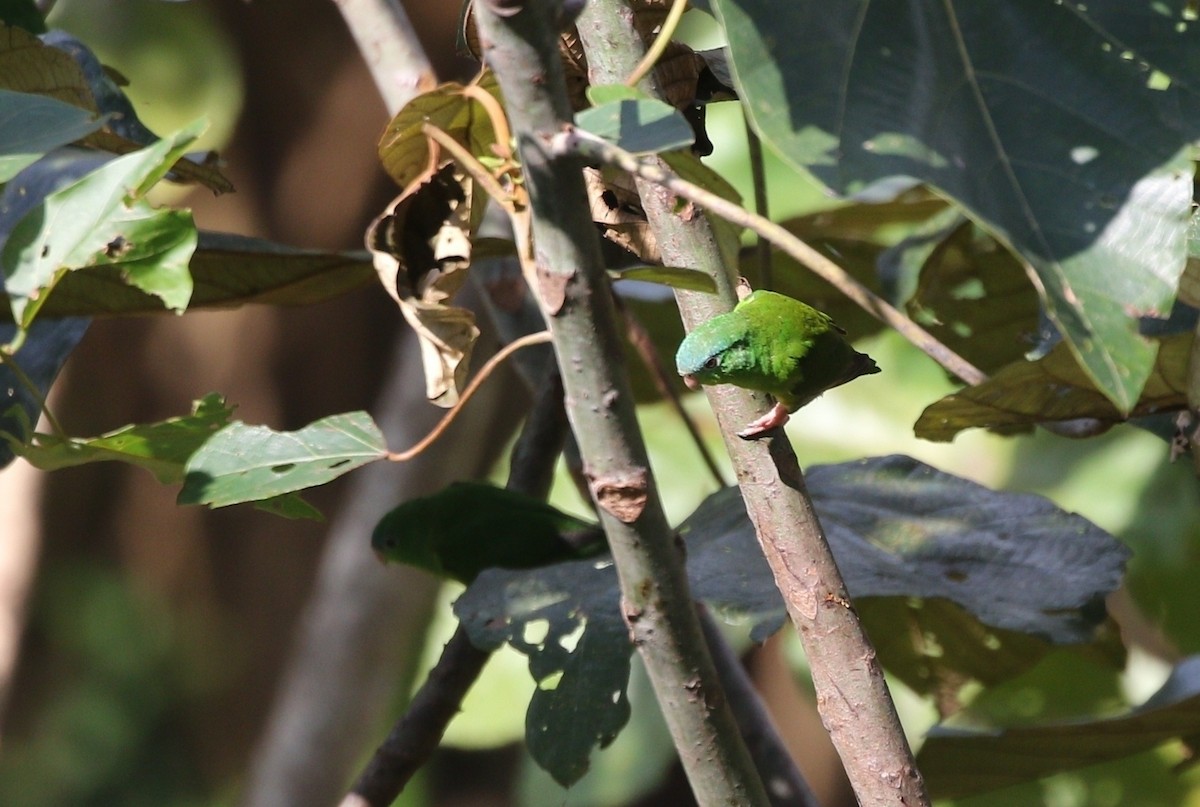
(521, 48)
(852, 695)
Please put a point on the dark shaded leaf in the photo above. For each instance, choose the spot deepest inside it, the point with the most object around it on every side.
(566, 619)
(227, 271)
(1053, 389)
(959, 762)
(986, 564)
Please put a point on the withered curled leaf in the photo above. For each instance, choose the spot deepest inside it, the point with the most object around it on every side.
(421, 248)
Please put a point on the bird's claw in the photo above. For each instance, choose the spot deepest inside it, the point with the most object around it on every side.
(776, 417)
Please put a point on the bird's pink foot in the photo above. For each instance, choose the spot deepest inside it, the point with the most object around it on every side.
(772, 420)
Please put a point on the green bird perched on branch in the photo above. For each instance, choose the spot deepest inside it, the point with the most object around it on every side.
(472, 526)
(774, 344)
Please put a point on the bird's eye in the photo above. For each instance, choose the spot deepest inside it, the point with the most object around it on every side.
(711, 364)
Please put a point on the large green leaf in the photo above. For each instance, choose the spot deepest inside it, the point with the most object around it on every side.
(987, 565)
(31, 125)
(1046, 121)
(104, 219)
(244, 463)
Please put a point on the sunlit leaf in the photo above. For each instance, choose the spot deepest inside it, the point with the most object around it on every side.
(640, 126)
(674, 276)
(404, 149)
(227, 270)
(243, 463)
(86, 223)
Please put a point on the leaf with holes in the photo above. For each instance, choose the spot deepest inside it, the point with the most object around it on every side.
(1063, 128)
(244, 463)
(103, 218)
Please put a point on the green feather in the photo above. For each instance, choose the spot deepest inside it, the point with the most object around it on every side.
(472, 526)
(774, 344)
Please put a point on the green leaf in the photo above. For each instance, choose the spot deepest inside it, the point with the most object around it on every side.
(227, 270)
(32, 125)
(24, 14)
(290, 505)
(674, 276)
(960, 762)
(975, 297)
(640, 126)
(1053, 389)
(599, 94)
(161, 448)
(84, 224)
(1038, 118)
(244, 463)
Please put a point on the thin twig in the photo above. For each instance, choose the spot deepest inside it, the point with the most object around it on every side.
(10, 361)
(637, 335)
(758, 174)
(512, 347)
(467, 161)
(785, 784)
(418, 732)
(576, 141)
(415, 737)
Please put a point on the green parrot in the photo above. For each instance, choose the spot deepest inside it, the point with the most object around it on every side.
(472, 526)
(775, 344)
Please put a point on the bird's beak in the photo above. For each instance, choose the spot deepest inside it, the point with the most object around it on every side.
(691, 382)
(379, 557)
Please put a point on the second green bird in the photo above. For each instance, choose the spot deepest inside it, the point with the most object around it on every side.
(775, 344)
(472, 526)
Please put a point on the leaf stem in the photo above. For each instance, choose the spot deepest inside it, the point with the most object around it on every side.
(10, 361)
(425, 442)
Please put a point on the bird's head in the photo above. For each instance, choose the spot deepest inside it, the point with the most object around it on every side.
(405, 536)
(712, 352)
